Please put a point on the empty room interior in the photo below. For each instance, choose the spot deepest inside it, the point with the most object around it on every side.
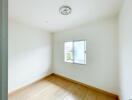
(69, 49)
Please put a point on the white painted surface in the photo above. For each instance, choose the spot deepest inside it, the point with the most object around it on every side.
(125, 50)
(45, 13)
(29, 55)
(101, 70)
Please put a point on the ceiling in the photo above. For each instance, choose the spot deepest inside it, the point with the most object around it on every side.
(45, 13)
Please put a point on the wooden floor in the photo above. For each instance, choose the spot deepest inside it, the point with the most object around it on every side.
(57, 88)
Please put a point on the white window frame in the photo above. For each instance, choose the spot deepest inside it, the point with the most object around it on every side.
(85, 46)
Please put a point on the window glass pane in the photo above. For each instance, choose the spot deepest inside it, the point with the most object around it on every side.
(80, 52)
(68, 49)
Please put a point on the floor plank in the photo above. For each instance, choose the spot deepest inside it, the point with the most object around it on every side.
(57, 88)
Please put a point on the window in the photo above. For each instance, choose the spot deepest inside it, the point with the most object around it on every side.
(75, 52)
(69, 52)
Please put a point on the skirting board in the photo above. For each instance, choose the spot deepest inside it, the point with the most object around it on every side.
(88, 86)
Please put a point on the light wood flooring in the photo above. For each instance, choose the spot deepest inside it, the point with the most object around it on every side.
(57, 88)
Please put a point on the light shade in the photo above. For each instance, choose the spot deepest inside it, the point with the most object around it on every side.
(65, 10)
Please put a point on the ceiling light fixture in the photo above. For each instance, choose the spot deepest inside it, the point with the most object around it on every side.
(65, 10)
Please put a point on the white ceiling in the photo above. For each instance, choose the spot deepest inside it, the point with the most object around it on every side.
(45, 13)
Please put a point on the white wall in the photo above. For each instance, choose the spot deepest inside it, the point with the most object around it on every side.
(125, 50)
(29, 55)
(101, 70)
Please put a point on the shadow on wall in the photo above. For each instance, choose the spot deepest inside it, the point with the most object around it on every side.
(29, 55)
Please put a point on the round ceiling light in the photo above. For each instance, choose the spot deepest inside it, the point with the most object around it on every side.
(65, 10)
